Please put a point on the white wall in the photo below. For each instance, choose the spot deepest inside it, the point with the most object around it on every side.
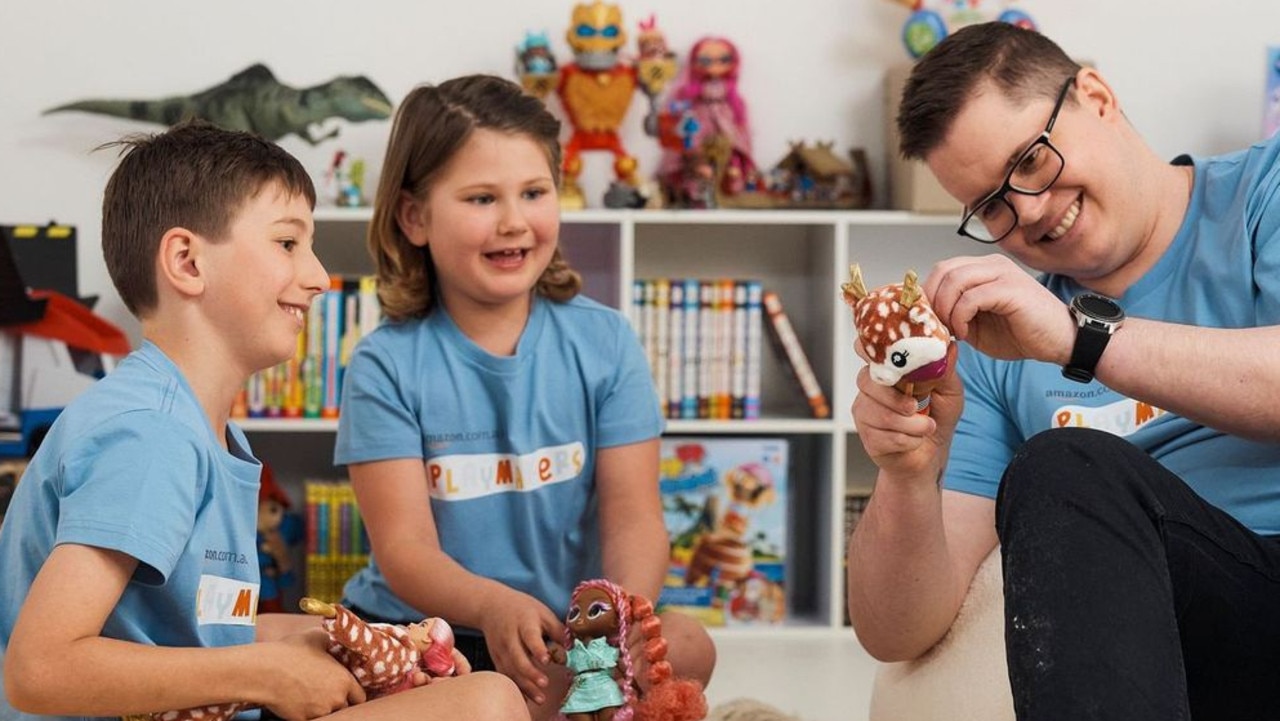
(1189, 75)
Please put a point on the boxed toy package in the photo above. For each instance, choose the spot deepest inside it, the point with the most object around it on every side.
(724, 501)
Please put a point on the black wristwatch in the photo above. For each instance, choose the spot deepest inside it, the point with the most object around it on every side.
(1097, 319)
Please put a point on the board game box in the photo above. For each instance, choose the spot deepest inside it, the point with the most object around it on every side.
(724, 502)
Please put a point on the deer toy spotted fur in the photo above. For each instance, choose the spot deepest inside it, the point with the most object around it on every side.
(906, 343)
(383, 657)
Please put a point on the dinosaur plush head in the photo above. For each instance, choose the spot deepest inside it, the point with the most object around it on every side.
(356, 98)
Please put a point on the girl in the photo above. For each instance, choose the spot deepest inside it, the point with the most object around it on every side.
(501, 431)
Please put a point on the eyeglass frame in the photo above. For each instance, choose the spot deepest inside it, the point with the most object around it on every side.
(1007, 186)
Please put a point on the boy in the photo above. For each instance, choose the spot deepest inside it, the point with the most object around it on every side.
(129, 549)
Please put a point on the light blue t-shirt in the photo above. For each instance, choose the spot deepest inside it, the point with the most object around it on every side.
(509, 443)
(1223, 271)
(133, 466)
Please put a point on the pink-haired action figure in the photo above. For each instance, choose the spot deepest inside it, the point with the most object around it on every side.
(709, 100)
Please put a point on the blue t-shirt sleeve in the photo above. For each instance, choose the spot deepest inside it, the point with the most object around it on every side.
(133, 486)
(986, 438)
(628, 411)
(1264, 227)
(375, 423)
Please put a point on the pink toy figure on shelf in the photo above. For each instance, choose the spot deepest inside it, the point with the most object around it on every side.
(384, 658)
(710, 90)
(601, 615)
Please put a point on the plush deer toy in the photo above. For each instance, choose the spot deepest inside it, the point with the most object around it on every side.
(903, 338)
(383, 657)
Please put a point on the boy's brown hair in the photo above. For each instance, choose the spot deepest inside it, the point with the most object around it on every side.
(194, 175)
(430, 126)
(1021, 63)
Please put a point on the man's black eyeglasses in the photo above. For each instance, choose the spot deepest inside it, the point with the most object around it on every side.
(1036, 170)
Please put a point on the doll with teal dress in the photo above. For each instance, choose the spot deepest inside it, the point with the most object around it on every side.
(598, 627)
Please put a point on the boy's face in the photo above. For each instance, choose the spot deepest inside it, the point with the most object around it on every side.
(261, 279)
(491, 221)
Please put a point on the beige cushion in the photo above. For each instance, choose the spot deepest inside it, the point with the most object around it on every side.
(965, 676)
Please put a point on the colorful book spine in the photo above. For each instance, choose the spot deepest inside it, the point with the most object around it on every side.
(675, 349)
(738, 353)
(706, 345)
(755, 348)
(795, 356)
(691, 373)
(661, 311)
(332, 346)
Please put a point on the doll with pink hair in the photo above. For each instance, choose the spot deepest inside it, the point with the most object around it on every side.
(597, 626)
(709, 91)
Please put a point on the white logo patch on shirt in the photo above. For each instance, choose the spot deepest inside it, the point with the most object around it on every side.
(462, 477)
(1122, 418)
(226, 601)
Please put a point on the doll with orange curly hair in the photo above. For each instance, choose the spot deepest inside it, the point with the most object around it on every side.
(601, 615)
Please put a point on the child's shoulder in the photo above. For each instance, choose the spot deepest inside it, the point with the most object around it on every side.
(144, 393)
(588, 310)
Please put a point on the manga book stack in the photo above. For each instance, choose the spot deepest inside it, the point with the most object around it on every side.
(704, 339)
(337, 543)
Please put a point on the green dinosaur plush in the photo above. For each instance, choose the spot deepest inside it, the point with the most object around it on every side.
(255, 101)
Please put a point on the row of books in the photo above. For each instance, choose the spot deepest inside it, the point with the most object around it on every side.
(703, 340)
(337, 543)
(308, 385)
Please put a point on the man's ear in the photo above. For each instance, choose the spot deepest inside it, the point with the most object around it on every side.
(411, 216)
(1093, 92)
(180, 262)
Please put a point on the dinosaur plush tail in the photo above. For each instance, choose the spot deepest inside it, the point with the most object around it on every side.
(164, 112)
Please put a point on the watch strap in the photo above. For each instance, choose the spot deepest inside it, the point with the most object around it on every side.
(1085, 354)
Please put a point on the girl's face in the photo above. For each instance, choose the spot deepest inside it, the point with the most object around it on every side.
(491, 221)
(714, 59)
(592, 615)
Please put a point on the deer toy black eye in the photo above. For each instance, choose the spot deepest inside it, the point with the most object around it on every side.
(899, 358)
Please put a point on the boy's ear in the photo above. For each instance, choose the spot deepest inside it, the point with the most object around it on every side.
(411, 216)
(180, 261)
(1093, 92)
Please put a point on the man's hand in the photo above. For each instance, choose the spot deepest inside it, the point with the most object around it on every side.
(901, 442)
(1001, 310)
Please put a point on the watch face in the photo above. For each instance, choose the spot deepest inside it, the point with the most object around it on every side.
(1098, 307)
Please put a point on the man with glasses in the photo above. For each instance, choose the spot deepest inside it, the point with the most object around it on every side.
(1136, 512)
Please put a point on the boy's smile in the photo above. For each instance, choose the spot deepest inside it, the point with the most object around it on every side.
(263, 277)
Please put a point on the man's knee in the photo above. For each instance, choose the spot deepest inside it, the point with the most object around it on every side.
(1071, 467)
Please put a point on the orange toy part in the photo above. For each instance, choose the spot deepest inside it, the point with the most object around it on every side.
(67, 320)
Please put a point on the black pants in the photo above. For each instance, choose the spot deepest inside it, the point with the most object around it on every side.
(1129, 597)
